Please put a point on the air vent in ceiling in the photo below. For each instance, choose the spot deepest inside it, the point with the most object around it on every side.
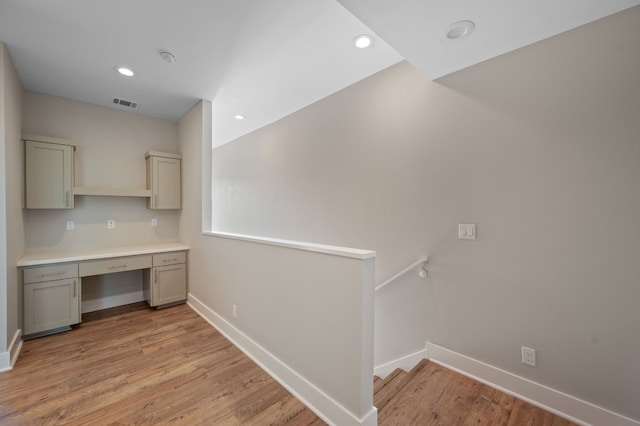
(124, 102)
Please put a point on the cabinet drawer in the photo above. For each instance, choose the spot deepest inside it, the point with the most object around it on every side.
(169, 258)
(118, 264)
(41, 274)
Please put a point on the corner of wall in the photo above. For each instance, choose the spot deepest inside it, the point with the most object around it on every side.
(406, 363)
(207, 140)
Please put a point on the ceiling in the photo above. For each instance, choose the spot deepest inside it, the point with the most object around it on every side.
(262, 59)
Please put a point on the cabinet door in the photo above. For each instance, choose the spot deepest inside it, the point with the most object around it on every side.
(164, 174)
(51, 304)
(169, 284)
(48, 175)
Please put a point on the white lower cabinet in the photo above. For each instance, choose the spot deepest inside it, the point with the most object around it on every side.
(166, 281)
(51, 304)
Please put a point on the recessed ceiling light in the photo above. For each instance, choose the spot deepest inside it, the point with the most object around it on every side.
(363, 41)
(459, 30)
(239, 117)
(124, 71)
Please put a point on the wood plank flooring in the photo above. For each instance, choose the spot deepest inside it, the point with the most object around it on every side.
(137, 366)
(433, 395)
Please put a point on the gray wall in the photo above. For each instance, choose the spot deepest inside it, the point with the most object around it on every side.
(539, 147)
(11, 216)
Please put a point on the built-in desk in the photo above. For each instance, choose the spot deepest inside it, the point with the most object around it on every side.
(52, 281)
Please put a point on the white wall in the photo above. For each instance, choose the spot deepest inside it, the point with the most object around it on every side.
(539, 147)
(288, 318)
(111, 146)
(11, 217)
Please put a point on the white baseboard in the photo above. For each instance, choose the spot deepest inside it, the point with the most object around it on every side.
(315, 399)
(406, 363)
(562, 404)
(8, 359)
(112, 301)
(15, 347)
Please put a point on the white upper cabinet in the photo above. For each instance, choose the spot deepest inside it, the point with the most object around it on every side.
(49, 173)
(164, 180)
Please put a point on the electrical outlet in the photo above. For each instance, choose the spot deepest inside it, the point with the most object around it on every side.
(529, 356)
(235, 311)
(111, 224)
(467, 231)
(71, 225)
(154, 222)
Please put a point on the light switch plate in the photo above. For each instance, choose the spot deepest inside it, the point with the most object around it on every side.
(467, 231)
(154, 222)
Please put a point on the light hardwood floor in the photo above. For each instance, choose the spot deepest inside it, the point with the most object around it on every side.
(138, 366)
(433, 395)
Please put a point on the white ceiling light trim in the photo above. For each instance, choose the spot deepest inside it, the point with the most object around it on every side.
(363, 41)
(460, 30)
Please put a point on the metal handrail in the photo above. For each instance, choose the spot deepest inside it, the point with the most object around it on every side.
(421, 271)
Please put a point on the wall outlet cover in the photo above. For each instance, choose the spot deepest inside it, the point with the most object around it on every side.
(467, 231)
(529, 356)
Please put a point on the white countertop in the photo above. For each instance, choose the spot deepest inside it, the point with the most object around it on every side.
(59, 256)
